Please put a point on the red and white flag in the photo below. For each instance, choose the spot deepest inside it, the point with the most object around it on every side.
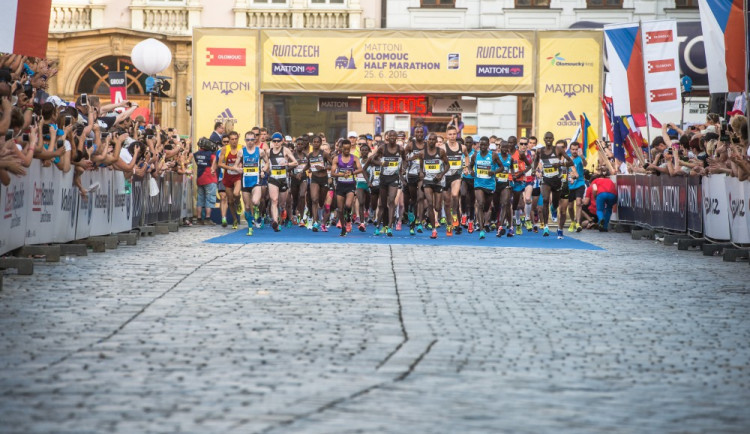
(23, 27)
(662, 66)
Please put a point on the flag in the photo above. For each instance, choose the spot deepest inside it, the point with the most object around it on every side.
(23, 27)
(609, 113)
(621, 146)
(723, 27)
(634, 133)
(577, 135)
(625, 55)
(655, 122)
(588, 143)
(639, 119)
(661, 63)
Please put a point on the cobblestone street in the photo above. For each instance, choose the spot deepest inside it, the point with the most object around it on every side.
(178, 335)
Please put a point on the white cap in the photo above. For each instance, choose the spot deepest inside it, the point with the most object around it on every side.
(56, 100)
(493, 146)
(352, 134)
(288, 138)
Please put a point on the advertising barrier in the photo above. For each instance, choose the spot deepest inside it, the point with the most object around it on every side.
(44, 207)
(715, 209)
(695, 205)
(737, 200)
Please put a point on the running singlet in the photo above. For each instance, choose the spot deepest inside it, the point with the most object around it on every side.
(454, 159)
(482, 168)
(503, 173)
(469, 175)
(301, 163)
(317, 164)
(518, 167)
(347, 168)
(374, 172)
(390, 167)
(433, 165)
(250, 167)
(360, 176)
(413, 170)
(230, 159)
(278, 166)
(548, 166)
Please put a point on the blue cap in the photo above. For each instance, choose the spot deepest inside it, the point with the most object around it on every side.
(369, 136)
(672, 132)
(277, 136)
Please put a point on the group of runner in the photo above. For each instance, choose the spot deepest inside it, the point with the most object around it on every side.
(440, 181)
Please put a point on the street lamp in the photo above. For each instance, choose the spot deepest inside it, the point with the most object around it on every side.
(151, 57)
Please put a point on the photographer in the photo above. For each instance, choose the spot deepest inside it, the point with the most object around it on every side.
(456, 123)
(206, 163)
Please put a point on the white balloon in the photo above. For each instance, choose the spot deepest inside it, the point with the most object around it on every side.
(151, 56)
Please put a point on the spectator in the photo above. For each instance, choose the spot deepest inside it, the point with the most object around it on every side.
(604, 193)
(457, 123)
(218, 132)
(206, 164)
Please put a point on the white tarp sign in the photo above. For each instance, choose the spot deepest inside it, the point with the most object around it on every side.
(66, 206)
(101, 218)
(715, 208)
(13, 223)
(41, 208)
(738, 216)
(122, 204)
(85, 208)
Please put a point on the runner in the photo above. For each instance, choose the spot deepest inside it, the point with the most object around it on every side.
(520, 184)
(372, 175)
(230, 162)
(413, 195)
(467, 190)
(363, 190)
(567, 171)
(252, 156)
(456, 155)
(577, 186)
(435, 165)
(281, 159)
(534, 179)
(317, 160)
(390, 157)
(345, 169)
(482, 167)
(299, 182)
(220, 189)
(503, 175)
(549, 157)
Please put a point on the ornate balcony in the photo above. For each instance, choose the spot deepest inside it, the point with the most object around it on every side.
(75, 17)
(165, 19)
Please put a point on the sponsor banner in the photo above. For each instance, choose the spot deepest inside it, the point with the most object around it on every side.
(737, 196)
(138, 201)
(397, 61)
(175, 203)
(339, 104)
(642, 201)
(715, 208)
(163, 198)
(122, 204)
(40, 210)
(694, 204)
(118, 87)
(66, 207)
(626, 198)
(85, 211)
(661, 57)
(225, 82)
(569, 84)
(674, 203)
(13, 198)
(101, 198)
(187, 198)
(446, 105)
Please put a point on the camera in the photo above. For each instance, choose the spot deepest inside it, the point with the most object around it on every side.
(207, 145)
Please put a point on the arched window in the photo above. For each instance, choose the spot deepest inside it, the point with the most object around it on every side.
(94, 78)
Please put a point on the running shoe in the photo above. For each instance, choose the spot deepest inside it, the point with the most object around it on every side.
(315, 227)
(398, 225)
(343, 232)
(362, 227)
(288, 224)
(493, 226)
(419, 228)
(579, 228)
(510, 233)
(486, 228)
(498, 234)
(411, 231)
(223, 222)
(302, 223)
(377, 231)
(283, 215)
(502, 231)
(572, 227)
(528, 226)
(459, 230)
(235, 225)
(275, 226)
(554, 214)
(559, 234)
(429, 226)
(442, 220)
(338, 225)
(545, 233)
(471, 227)
(250, 232)
(463, 220)
(481, 235)
(449, 231)
(348, 226)
(388, 231)
(455, 220)
(536, 229)
(410, 216)
(434, 234)
(518, 230)
(294, 220)
(256, 213)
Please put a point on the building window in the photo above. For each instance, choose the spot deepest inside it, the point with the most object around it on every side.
(598, 4)
(438, 3)
(94, 78)
(525, 115)
(322, 2)
(532, 4)
(686, 4)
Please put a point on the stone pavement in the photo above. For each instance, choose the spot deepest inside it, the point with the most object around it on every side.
(175, 335)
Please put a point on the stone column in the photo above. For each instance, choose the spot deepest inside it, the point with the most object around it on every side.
(181, 118)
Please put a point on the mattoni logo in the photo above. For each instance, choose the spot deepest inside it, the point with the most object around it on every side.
(294, 69)
(659, 37)
(657, 95)
(226, 57)
(227, 87)
(663, 65)
(569, 89)
(568, 120)
(224, 116)
(499, 71)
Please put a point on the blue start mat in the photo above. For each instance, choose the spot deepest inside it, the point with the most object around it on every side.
(528, 240)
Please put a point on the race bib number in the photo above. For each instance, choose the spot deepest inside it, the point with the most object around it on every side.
(278, 173)
(502, 177)
(550, 171)
(483, 173)
(455, 164)
(432, 167)
(250, 170)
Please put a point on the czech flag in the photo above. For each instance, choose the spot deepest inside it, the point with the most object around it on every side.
(724, 40)
(24, 26)
(588, 143)
(625, 54)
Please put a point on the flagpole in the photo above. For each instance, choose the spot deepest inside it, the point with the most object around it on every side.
(746, 16)
(645, 88)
